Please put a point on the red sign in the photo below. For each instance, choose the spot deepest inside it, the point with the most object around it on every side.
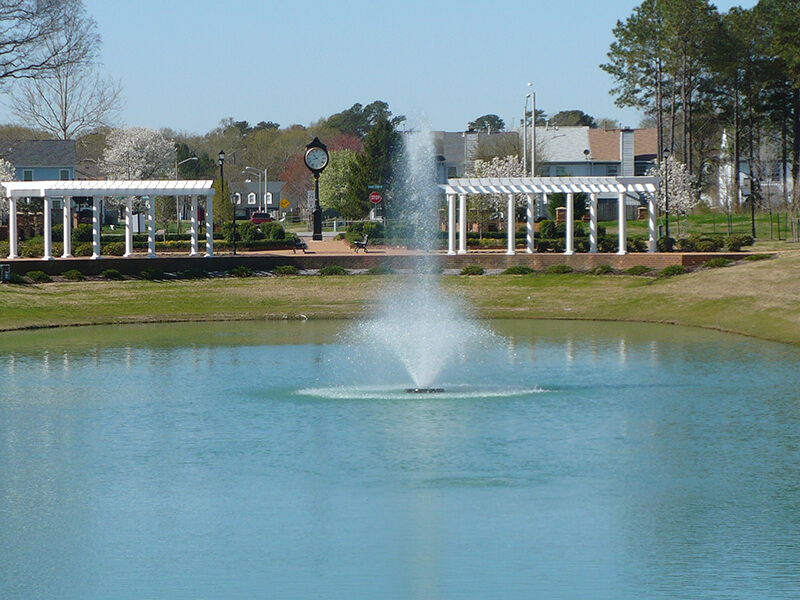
(375, 197)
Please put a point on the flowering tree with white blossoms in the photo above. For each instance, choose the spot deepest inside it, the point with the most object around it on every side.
(677, 185)
(7, 173)
(138, 153)
(487, 205)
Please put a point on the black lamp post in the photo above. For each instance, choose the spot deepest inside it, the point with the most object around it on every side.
(235, 198)
(666, 154)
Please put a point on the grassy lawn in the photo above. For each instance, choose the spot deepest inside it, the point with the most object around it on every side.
(754, 298)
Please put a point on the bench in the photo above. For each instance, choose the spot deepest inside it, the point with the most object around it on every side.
(299, 244)
(361, 244)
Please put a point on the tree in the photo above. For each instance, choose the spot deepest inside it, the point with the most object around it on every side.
(68, 101)
(487, 206)
(138, 153)
(677, 188)
(358, 120)
(374, 166)
(573, 118)
(38, 37)
(487, 124)
(7, 173)
(333, 184)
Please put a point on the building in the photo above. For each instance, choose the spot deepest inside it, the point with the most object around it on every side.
(41, 160)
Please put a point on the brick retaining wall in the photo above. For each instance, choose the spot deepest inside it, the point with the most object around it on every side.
(266, 262)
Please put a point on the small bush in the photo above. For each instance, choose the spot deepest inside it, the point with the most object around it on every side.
(39, 277)
(734, 243)
(193, 274)
(82, 233)
(672, 270)
(113, 249)
(381, 270)
(559, 269)
(285, 270)
(241, 271)
(638, 270)
(333, 270)
(472, 270)
(17, 279)
(73, 275)
(152, 274)
(602, 270)
(519, 270)
(665, 244)
(31, 250)
(112, 274)
(718, 262)
(82, 250)
(758, 257)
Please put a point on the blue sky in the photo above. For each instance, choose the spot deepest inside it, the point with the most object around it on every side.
(186, 64)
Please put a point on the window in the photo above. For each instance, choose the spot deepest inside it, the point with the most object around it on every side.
(27, 175)
(612, 170)
(57, 204)
(561, 171)
(452, 172)
(251, 198)
(64, 175)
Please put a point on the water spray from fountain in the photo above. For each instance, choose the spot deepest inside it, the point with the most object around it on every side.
(425, 328)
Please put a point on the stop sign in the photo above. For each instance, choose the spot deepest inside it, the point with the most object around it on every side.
(375, 197)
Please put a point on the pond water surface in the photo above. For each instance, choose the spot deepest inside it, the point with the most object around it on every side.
(280, 460)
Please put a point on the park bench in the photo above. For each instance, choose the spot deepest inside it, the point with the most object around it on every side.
(361, 244)
(299, 244)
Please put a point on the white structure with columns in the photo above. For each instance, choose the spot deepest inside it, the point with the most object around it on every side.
(593, 187)
(97, 190)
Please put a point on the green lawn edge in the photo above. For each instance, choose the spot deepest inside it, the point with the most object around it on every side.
(759, 299)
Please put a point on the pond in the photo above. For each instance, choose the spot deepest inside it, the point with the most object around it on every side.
(285, 460)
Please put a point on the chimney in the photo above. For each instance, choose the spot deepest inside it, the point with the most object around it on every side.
(626, 152)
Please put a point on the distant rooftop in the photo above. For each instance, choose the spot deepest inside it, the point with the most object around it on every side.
(39, 153)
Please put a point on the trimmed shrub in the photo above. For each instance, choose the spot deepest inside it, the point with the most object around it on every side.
(718, 262)
(241, 271)
(273, 231)
(472, 270)
(193, 274)
(73, 275)
(602, 270)
(152, 274)
(758, 257)
(82, 250)
(665, 244)
(559, 269)
(38, 276)
(380, 270)
(285, 270)
(18, 279)
(113, 249)
(519, 270)
(31, 250)
(734, 243)
(333, 270)
(82, 233)
(672, 270)
(638, 270)
(112, 274)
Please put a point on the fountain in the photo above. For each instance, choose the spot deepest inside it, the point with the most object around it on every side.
(424, 327)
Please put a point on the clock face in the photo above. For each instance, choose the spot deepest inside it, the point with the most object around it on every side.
(316, 159)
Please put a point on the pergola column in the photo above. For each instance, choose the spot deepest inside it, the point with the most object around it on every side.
(529, 223)
(451, 224)
(193, 229)
(48, 228)
(623, 237)
(66, 221)
(593, 223)
(13, 230)
(651, 224)
(570, 224)
(129, 226)
(511, 222)
(151, 227)
(209, 226)
(96, 226)
(462, 223)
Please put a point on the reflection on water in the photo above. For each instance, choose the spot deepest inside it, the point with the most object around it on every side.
(568, 460)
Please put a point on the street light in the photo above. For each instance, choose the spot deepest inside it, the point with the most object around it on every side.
(235, 199)
(177, 200)
(666, 154)
(533, 131)
(525, 136)
(222, 191)
(258, 172)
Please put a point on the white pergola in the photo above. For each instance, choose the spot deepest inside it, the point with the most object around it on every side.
(97, 190)
(531, 187)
